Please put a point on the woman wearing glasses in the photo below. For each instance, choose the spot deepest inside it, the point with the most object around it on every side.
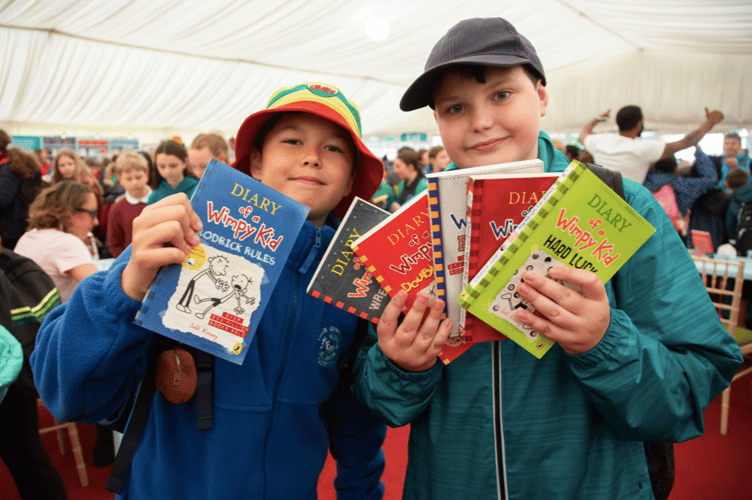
(61, 219)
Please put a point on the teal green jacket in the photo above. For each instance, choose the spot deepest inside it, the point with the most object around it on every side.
(422, 186)
(187, 186)
(499, 423)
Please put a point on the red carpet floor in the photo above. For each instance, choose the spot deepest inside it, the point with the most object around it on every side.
(708, 467)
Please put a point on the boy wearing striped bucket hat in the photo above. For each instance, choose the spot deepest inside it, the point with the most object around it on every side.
(275, 415)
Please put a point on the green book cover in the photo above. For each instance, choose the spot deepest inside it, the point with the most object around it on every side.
(580, 222)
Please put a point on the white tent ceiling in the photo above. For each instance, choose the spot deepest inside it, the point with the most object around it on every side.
(184, 66)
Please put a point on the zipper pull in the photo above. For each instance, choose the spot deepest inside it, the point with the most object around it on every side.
(176, 374)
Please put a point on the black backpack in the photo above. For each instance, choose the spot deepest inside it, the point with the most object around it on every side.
(27, 295)
(743, 237)
(660, 456)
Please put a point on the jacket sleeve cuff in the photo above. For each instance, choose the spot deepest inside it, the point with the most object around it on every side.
(609, 352)
(395, 395)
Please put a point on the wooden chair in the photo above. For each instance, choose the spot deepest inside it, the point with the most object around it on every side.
(60, 427)
(716, 274)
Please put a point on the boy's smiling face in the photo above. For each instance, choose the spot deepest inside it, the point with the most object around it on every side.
(493, 122)
(309, 159)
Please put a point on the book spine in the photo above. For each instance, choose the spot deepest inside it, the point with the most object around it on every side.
(515, 240)
(438, 249)
(474, 201)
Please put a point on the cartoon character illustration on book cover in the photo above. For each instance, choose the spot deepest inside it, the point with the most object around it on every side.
(240, 285)
(227, 289)
(509, 299)
(217, 266)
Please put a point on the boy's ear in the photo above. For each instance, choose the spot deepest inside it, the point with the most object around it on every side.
(543, 96)
(255, 163)
(350, 183)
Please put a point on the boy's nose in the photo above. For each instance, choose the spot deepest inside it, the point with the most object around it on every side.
(482, 118)
(311, 159)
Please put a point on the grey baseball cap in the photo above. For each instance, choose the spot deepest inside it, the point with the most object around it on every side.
(487, 41)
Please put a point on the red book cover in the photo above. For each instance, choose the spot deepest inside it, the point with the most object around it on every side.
(496, 205)
(398, 252)
(702, 242)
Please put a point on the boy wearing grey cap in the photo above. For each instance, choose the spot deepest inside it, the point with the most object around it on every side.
(637, 359)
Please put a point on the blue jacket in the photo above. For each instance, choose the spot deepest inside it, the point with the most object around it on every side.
(273, 417)
(499, 423)
(686, 189)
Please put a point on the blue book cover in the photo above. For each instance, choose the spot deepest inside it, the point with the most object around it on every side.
(214, 300)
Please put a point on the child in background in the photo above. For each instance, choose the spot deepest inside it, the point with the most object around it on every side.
(275, 415)
(132, 172)
(438, 158)
(205, 147)
(412, 180)
(385, 195)
(637, 359)
(173, 174)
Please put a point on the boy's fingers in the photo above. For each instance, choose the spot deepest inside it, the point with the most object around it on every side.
(429, 328)
(387, 324)
(591, 285)
(180, 214)
(414, 317)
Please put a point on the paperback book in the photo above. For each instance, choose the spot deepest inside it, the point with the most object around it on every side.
(397, 251)
(496, 206)
(341, 278)
(581, 223)
(447, 199)
(214, 300)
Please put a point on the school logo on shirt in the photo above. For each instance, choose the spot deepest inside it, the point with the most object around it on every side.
(329, 342)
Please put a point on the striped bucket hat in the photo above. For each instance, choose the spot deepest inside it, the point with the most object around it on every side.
(327, 102)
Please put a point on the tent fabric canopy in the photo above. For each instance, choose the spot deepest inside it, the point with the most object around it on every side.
(191, 66)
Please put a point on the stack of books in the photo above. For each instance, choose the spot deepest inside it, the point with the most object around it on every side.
(469, 238)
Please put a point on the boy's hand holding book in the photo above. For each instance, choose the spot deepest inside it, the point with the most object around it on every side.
(170, 220)
(577, 321)
(414, 344)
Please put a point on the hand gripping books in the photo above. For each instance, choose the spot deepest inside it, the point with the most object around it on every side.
(214, 300)
(580, 223)
(341, 278)
(398, 251)
(447, 195)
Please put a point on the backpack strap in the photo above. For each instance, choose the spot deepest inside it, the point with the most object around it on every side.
(659, 456)
(142, 405)
(135, 428)
(204, 388)
(612, 178)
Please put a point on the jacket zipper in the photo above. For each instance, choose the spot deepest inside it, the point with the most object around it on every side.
(292, 320)
(292, 324)
(501, 469)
